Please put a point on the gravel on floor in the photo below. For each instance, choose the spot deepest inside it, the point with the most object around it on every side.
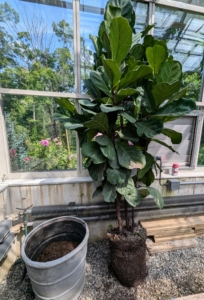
(170, 275)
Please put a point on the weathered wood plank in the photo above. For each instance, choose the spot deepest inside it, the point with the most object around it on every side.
(174, 238)
(165, 232)
(171, 245)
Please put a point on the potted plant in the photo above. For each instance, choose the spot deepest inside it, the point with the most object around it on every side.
(135, 88)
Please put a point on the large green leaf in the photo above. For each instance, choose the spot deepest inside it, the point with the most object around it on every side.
(91, 134)
(178, 95)
(96, 171)
(117, 176)
(73, 123)
(123, 93)
(97, 79)
(128, 135)
(103, 140)
(92, 150)
(176, 137)
(176, 108)
(164, 144)
(128, 154)
(149, 163)
(99, 121)
(110, 13)
(114, 163)
(109, 151)
(148, 178)
(87, 103)
(60, 117)
(169, 72)
(97, 44)
(128, 117)
(109, 192)
(130, 193)
(155, 56)
(120, 38)
(163, 91)
(97, 192)
(157, 196)
(112, 70)
(149, 128)
(66, 103)
(108, 109)
(143, 193)
(133, 76)
(125, 6)
(91, 88)
(137, 52)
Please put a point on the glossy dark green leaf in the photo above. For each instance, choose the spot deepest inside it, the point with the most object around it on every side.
(60, 117)
(148, 178)
(99, 121)
(92, 150)
(128, 117)
(143, 193)
(123, 93)
(155, 56)
(91, 88)
(176, 137)
(120, 37)
(128, 135)
(66, 103)
(109, 192)
(178, 95)
(87, 103)
(157, 196)
(112, 70)
(91, 134)
(149, 163)
(109, 151)
(97, 44)
(133, 76)
(113, 163)
(97, 192)
(176, 108)
(147, 29)
(128, 154)
(169, 72)
(97, 79)
(103, 140)
(73, 123)
(125, 6)
(163, 91)
(117, 176)
(96, 171)
(149, 127)
(130, 193)
(138, 52)
(110, 13)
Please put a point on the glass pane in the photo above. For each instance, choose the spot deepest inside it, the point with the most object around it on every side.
(194, 2)
(35, 141)
(36, 45)
(91, 15)
(201, 150)
(184, 34)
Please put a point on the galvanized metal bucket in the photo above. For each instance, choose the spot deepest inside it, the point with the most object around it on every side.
(63, 278)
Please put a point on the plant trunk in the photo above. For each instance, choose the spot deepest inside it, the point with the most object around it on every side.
(126, 215)
(117, 203)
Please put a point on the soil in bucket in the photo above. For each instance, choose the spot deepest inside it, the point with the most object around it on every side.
(128, 255)
(56, 250)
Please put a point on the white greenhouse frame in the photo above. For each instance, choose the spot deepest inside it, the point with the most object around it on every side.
(4, 153)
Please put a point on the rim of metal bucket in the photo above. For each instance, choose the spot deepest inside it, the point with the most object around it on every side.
(49, 264)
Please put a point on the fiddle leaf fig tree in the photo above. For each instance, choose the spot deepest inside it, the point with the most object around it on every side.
(134, 88)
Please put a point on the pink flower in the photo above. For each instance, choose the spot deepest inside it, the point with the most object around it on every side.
(26, 159)
(58, 144)
(130, 143)
(56, 140)
(98, 134)
(44, 143)
(12, 152)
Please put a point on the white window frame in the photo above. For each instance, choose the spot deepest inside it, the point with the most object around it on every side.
(4, 153)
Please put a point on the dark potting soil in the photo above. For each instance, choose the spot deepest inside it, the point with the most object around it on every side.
(128, 255)
(56, 250)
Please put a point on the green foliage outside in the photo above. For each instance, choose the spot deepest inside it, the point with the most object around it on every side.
(28, 60)
(135, 88)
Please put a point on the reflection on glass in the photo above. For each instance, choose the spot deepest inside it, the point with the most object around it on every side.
(36, 45)
(91, 15)
(184, 34)
(35, 141)
(194, 2)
